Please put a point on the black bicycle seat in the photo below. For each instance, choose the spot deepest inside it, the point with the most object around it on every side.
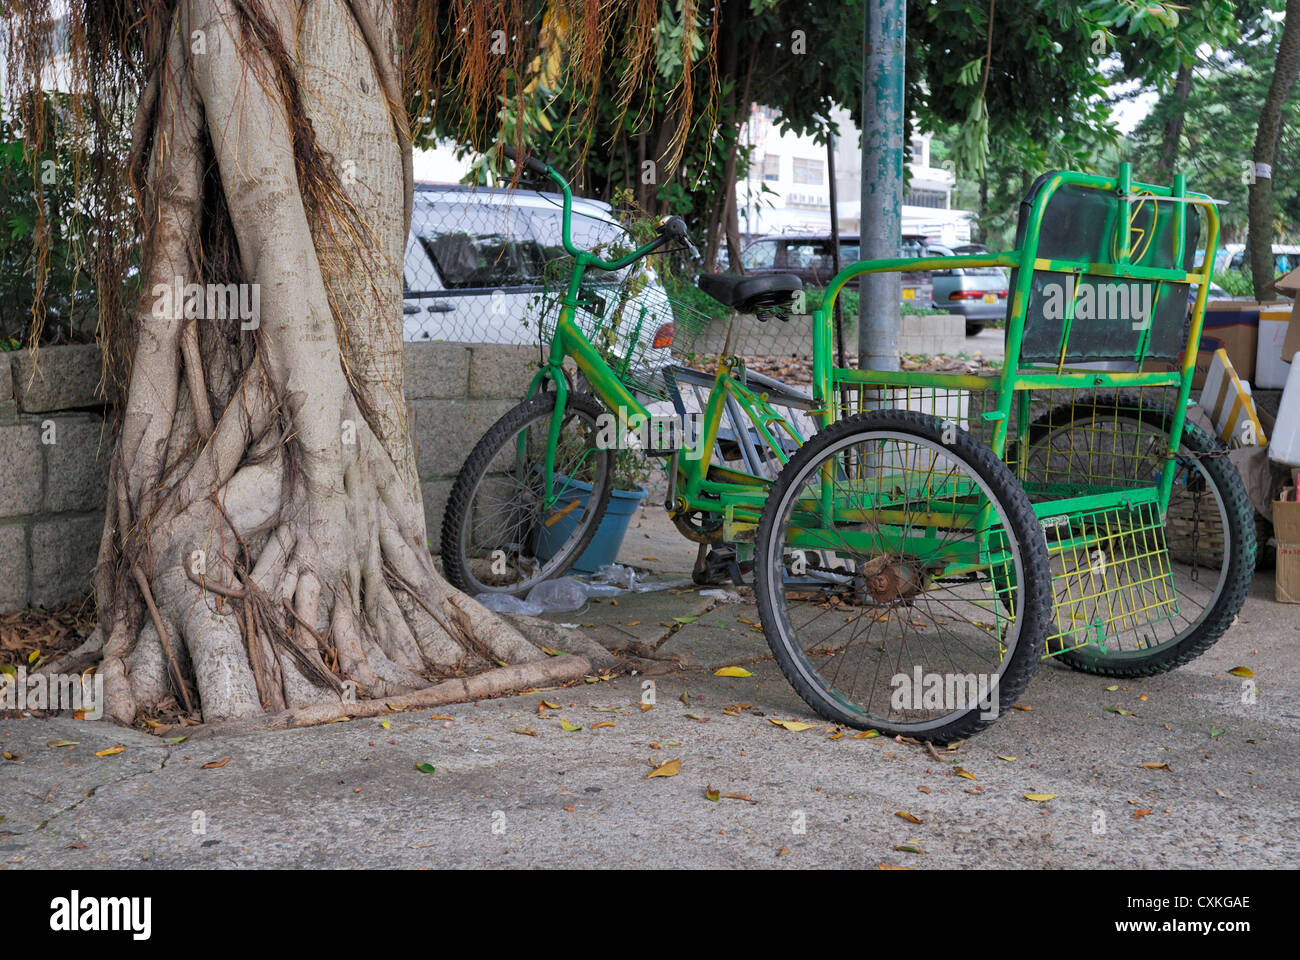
(747, 294)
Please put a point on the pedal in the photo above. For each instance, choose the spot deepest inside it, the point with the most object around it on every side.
(721, 566)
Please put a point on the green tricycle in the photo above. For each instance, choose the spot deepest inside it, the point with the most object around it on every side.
(918, 541)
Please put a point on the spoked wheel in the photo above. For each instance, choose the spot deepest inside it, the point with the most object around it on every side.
(1209, 526)
(499, 535)
(902, 578)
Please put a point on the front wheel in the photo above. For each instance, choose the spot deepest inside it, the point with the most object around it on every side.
(503, 530)
(902, 578)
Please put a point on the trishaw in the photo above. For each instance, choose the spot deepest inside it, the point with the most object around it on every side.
(917, 553)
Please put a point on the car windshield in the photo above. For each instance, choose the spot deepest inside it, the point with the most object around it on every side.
(476, 245)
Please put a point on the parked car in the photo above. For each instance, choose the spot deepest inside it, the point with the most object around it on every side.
(476, 261)
(810, 257)
(977, 293)
(1286, 257)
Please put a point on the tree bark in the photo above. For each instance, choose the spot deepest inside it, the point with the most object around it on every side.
(1259, 231)
(1172, 133)
(265, 547)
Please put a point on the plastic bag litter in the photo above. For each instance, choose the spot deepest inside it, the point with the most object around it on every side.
(726, 596)
(627, 579)
(559, 596)
(505, 603)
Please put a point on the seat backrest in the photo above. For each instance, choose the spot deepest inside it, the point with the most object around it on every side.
(1110, 318)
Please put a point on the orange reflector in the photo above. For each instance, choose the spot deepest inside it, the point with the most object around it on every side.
(568, 509)
(664, 336)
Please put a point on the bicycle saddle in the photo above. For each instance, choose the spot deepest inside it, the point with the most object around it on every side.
(746, 294)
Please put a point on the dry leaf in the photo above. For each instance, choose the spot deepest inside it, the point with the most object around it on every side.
(924, 789)
(1021, 706)
(1154, 765)
(866, 735)
(1006, 756)
(711, 794)
(910, 847)
(1242, 672)
(212, 765)
(909, 817)
(63, 743)
(794, 726)
(1142, 812)
(958, 771)
(110, 752)
(784, 851)
(732, 672)
(604, 723)
(1039, 797)
(526, 731)
(568, 727)
(669, 768)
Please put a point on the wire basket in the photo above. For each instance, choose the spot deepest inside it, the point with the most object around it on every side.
(636, 326)
(1110, 574)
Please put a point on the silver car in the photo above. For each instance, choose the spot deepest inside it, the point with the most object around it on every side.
(977, 293)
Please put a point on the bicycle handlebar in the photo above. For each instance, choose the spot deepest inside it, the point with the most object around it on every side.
(669, 231)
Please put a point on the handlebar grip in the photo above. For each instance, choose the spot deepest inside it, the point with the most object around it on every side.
(530, 164)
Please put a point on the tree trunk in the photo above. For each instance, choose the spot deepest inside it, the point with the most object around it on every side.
(1259, 230)
(265, 545)
(1172, 134)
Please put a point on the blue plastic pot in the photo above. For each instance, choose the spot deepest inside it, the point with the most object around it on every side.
(610, 531)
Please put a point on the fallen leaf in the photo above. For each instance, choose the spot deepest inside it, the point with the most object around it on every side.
(651, 560)
(568, 727)
(1153, 765)
(569, 808)
(794, 726)
(909, 817)
(732, 672)
(1120, 710)
(62, 743)
(647, 706)
(426, 767)
(1242, 672)
(110, 752)
(548, 705)
(866, 735)
(738, 796)
(634, 623)
(909, 847)
(784, 851)
(385, 724)
(176, 739)
(925, 789)
(891, 866)
(1142, 812)
(439, 716)
(958, 771)
(1021, 706)
(686, 619)
(75, 846)
(1112, 688)
(669, 768)
(213, 764)
(526, 731)
(604, 723)
(1006, 756)
(711, 794)
(1039, 797)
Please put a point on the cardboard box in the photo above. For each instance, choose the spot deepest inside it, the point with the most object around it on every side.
(1286, 530)
(1231, 325)
(1272, 363)
(1289, 285)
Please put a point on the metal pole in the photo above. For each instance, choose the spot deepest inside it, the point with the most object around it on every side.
(840, 352)
(881, 222)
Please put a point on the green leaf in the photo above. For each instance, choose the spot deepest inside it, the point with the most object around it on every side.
(426, 768)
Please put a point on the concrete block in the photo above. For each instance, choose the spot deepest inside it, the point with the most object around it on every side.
(436, 370)
(435, 493)
(57, 378)
(20, 468)
(446, 431)
(63, 551)
(13, 567)
(76, 464)
(502, 371)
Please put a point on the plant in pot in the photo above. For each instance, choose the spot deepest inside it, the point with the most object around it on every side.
(631, 471)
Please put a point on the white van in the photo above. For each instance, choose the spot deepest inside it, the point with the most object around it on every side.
(475, 258)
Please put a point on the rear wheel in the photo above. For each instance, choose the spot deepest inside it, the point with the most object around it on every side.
(1209, 525)
(498, 533)
(901, 577)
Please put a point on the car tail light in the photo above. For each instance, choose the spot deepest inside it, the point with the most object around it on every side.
(966, 295)
(664, 336)
(1002, 294)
